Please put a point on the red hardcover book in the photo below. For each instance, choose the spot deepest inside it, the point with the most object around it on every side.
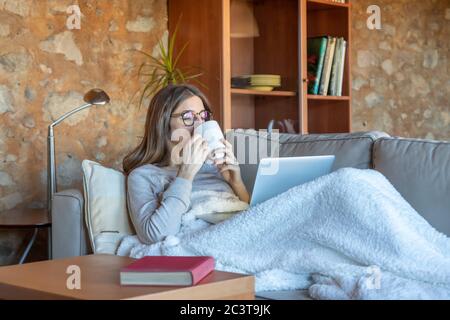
(167, 270)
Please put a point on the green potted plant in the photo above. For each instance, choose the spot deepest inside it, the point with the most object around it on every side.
(163, 70)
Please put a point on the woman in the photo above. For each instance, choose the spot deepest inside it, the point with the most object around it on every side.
(159, 186)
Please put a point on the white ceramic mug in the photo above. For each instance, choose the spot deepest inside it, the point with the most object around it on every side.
(211, 132)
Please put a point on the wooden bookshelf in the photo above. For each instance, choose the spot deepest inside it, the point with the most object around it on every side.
(278, 47)
(328, 113)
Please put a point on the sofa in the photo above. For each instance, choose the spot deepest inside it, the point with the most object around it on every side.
(418, 169)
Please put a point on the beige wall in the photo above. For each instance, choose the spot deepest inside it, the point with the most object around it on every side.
(401, 74)
(45, 69)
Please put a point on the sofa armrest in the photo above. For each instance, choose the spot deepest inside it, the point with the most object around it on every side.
(69, 235)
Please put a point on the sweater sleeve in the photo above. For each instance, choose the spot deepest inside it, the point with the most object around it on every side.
(154, 218)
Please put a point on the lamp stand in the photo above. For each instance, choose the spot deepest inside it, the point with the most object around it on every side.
(94, 97)
(51, 162)
(51, 175)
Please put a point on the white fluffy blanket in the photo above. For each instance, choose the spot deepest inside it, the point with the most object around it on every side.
(346, 235)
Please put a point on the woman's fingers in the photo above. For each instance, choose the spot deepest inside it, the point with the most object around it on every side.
(205, 145)
(197, 150)
(227, 151)
(195, 145)
(199, 143)
(218, 151)
(210, 156)
(204, 150)
(227, 144)
(226, 160)
(229, 155)
(228, 167)
(195, 138)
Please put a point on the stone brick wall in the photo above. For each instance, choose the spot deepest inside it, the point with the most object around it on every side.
(45, 69)
(401, 73)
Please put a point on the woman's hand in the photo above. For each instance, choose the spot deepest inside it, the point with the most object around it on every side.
(230, 170)
(195, 152)
(228, 165)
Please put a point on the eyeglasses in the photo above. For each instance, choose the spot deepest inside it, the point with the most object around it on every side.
(189, 116)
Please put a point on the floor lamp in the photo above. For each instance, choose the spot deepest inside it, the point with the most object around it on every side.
(94, 97)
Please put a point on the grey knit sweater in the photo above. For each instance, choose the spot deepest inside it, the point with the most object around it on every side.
(157, 198)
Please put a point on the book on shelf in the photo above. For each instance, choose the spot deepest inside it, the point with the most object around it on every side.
(167, 271)
(317, 47)
(327, 65)
(332, 90)
(340, 81)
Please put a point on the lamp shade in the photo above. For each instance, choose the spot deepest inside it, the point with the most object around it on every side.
(96, 97)
(243, 21)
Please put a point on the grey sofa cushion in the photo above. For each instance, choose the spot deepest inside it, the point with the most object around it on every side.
(351, 150)
(420, 171)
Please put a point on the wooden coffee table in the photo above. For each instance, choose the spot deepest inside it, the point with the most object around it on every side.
(100, 281)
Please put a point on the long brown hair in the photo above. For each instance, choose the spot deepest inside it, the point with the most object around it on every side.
(154, 147)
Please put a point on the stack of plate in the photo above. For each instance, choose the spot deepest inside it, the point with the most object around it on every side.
(261, 82)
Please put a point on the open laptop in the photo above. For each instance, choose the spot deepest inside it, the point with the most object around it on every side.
(277, 175)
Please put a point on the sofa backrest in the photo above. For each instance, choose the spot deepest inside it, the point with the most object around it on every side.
(351, 150)
(420, 171)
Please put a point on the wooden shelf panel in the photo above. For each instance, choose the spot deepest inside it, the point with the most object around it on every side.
(329, 116)
(319, 97)
(275, 93)
(325, 5)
